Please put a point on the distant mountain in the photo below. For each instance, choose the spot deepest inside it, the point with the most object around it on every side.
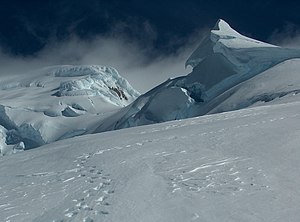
(58, 102)
(230, 71)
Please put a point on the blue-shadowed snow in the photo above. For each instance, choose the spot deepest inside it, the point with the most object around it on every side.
(224, 61)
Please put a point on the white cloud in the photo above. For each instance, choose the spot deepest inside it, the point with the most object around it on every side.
(289, 36)
(134, 61)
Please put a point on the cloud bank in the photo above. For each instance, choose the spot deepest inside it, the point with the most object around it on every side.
(143, 66)
(135, 58)
(289, 36)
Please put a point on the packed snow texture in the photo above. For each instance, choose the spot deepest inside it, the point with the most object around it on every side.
(234, 166)
(226, 67)
(58, 102)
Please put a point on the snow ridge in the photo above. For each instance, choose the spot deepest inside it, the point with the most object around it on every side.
(223, 60)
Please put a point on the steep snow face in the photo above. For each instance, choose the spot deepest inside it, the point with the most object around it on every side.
(155, 109)
(279, 84)
(221, 64)
(59, 102)
(173, 99)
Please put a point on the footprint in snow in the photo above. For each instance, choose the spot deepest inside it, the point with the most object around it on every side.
(218, 176)
(94, 199)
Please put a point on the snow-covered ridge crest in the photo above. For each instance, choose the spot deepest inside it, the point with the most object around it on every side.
(222, 31)
(222, 34)
(224, 59)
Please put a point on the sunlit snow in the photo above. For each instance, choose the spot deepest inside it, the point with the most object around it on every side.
(235, 166)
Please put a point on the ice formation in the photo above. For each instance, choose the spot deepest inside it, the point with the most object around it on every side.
(58, 102)
(223, 62)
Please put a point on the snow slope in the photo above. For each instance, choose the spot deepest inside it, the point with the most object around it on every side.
(222, 66)
(280, 83)
(58, 102)
(234, 166)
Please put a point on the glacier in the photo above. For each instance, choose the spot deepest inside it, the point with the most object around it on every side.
(58, 102)
(224, 61)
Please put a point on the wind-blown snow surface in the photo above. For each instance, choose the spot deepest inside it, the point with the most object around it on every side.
(222, 63)
(58, 102)
(234, 166)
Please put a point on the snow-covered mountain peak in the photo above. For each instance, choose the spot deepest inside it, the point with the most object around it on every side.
(222, 63)
(223, 28)
(223, 31)
(220, 36)
(225, 58)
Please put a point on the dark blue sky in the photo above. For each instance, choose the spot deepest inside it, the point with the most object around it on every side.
(26, 26)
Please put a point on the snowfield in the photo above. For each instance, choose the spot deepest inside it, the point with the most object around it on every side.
(234, 166)
(220, 144)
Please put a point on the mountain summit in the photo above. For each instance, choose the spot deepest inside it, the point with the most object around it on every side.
(224, 54)
(222, 34)
(224, 61)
